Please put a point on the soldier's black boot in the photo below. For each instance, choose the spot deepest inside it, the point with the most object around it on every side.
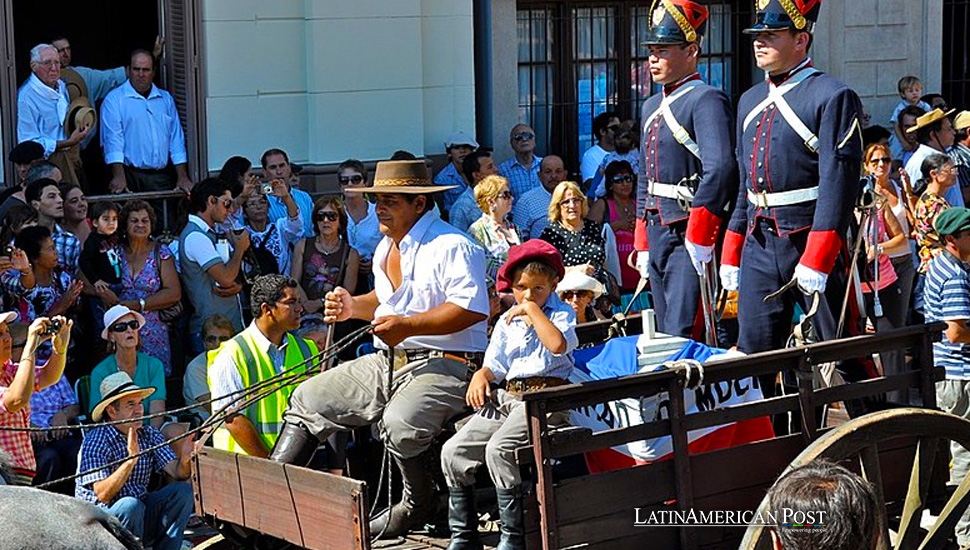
(295, 445)
(462, 519)
(418, 500)
(513, 524)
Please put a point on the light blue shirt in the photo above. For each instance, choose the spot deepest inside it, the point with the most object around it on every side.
(465, 211)
(515, 350)
(450, 176)
(530, 213)
(38, 118)
(141, 132)
(521, 178)
(304, 203)
(101, 82)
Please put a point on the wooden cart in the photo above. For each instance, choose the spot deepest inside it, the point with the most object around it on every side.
(901, 450)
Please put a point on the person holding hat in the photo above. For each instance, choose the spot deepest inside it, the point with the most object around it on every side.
(18, 381)
(457, 147)
(141, 133)
(429, 305)
(121, 330)
(935, 134)
(42, 109)
(531, 348)
(800, 155)
(688, 174)
(947, 299)
(579, 291)
(157, 517)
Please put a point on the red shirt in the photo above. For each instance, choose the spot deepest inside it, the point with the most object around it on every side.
(16, 444)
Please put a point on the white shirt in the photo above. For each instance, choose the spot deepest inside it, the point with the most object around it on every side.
(439, 264)
(224, 377)
(141, 132)
(914, 167)
(365, 234)
(592, 159)
(199, 248)
(278, 238)
(41, 111)
(195, 383)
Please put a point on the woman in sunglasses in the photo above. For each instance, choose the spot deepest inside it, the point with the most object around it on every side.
(121, 331)
(363, 229)
(580, 291)
(327, 260)
(618, 207)
(493, 230)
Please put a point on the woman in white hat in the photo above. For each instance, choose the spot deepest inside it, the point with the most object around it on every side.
(121, 327)
(18, 381)
(579, 290)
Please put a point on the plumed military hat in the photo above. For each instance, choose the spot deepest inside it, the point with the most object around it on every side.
(773, 15)
(676, 22)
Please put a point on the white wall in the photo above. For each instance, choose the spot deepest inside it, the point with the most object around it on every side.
(870, 44)
(331, 79)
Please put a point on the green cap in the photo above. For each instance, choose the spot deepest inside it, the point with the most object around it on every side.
(952, 220)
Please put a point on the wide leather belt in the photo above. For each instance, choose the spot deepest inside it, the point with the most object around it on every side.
(782, 198)
(522, 385)
(670, 191)
(405, 356)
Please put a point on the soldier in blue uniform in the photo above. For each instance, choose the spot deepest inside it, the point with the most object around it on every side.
(799, 151)
(688, 173)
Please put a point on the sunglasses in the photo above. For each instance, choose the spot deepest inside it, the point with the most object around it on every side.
(505, 195)
(355, 179)
(329, 216)
(881, 160)
(227, 203)
(212, 339)
(623, 178)
(524, 136)
(569, 294)
(567, 202)
(123, 326)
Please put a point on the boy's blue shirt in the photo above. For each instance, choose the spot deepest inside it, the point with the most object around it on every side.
(515, 350)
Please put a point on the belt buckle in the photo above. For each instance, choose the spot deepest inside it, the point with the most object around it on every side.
(761, 199)
(399, 359)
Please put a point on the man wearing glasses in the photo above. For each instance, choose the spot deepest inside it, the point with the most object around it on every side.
(522, 170)
(688, 173)
(42, 104)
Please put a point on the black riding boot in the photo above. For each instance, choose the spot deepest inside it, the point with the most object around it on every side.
(462, 519)
(418, 501)
(295, 445)
(513, 525)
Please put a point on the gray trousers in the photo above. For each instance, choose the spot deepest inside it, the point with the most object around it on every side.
(490, 436)
(354, 394)
(953, 396)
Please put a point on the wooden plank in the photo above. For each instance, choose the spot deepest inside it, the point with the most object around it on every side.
(215, 481)
(545, 491)
(745, 411)
(269, 507)
(566, 446)
(331, 507)
(612, 492)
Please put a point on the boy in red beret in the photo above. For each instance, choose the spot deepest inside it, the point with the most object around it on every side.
(530, 349)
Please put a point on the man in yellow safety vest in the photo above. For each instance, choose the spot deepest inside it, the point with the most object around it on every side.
(263, 350)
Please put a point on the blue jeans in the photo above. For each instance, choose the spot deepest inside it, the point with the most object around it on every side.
(157, 518)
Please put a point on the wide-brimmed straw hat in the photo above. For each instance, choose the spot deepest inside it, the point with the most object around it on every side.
(80, 113)
(401, 176)
(929, 118)
(577, 280)
(114, 387)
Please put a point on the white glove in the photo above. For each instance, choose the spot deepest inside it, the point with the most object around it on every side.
(809, 280)
(643, 263)
(699, 255)
(730, 275)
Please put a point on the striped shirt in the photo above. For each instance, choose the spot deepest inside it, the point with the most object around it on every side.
(449, 175)
(105, 445)
(530, 213)
(521, 178)
(515, 350)
(947, 298)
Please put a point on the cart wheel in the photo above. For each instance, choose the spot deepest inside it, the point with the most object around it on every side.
(859, 439)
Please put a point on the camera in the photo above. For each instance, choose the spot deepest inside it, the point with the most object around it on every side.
(266, 188)
(8, 251)
(53, 327)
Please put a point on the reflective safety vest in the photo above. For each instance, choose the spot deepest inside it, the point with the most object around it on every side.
(254, 367)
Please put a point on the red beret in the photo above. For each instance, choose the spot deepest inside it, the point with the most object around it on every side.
(532, 250)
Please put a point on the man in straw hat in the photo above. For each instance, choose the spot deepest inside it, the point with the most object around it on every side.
(157, 517)
(935, 133)
(430, 304)
(42, 109)
(800, 152)
(688, 173)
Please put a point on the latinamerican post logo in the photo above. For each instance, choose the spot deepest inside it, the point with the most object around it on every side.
(785, 518)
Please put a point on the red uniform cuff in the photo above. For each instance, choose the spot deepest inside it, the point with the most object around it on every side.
(821, 250)
(640, 236)
(731, 252)
(702, 227)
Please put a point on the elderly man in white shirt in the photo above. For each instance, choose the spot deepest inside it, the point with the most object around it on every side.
(42, 103)
(141, 133)
(428, 310)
